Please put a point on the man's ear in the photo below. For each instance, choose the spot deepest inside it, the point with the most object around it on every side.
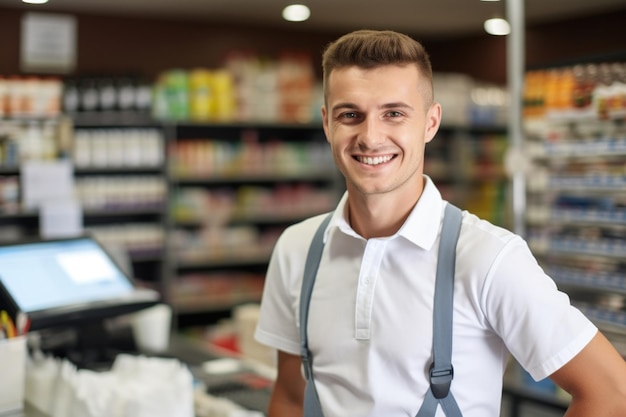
(433, 121)
(325, 122)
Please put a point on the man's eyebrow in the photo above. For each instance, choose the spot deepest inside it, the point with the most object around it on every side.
(344, 106)
(397, 105)
(352, 106)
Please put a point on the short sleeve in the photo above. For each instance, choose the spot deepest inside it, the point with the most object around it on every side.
(536, 321)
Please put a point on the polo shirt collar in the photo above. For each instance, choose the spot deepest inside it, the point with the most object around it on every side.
(421, 227)
(423, 224)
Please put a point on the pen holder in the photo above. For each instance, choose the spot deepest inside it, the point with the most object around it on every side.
(13, 365)
(151, 328)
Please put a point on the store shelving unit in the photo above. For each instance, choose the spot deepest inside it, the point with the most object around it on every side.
(576, 219)
(577, 216)
(465, 162)
(120, 176)
(21, 138)
(233, 188)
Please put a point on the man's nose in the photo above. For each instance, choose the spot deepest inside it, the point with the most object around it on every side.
(371, 133)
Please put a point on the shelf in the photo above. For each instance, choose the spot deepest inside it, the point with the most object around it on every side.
(213, 304)
(594, 184)
(243, 125)
(585, 116)
(279, 217)
(121, 211)
(115, 119)
(253, 178)
(146, 255)
(522, 395)
(119, 170)
(111, 212)
(203, 292)
(478, 129)
(222, 261)
(9, 170)
(20, 215)
(612, 319)
(580, 217)
(595, 281)
(581, 246)
(582, 150)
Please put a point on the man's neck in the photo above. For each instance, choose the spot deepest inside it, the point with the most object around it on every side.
(380, 215)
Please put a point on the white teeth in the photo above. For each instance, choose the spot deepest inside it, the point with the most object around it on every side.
(374, 160)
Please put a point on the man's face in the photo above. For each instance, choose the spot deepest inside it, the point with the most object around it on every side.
(377, 123)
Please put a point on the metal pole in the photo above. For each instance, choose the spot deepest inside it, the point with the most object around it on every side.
(515, 78)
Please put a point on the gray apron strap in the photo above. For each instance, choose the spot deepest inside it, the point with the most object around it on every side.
(441, 372)
(312, 406)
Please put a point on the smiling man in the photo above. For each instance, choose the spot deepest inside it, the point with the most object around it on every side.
(370, 319)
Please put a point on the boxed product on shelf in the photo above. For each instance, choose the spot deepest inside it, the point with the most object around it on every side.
(29, 139)
(469, 102)
(131, 192)
(30, 97)
(216, 290)
(106, 94)
(591, 90)
(118, 147)
(139, 240)
(246, 88)
(9, 194)
(198, 158)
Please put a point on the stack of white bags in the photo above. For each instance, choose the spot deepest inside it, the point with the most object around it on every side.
(136, 386)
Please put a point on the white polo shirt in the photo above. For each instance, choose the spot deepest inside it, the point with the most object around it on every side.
(370, 319)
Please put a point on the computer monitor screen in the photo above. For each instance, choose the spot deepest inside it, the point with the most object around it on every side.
(63, 282)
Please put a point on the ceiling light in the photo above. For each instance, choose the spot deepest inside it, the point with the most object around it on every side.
(35, 1)
(497, 26)
(296, 13)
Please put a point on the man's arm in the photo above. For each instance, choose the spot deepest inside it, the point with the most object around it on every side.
(596, 379)
(288, 393)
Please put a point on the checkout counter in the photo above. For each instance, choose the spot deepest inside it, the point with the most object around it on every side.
(222, 385)
(68, 298)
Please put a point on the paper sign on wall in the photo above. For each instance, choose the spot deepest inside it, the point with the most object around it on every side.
(48, 186)
(48, 43)
(44, 181)
(60, 218)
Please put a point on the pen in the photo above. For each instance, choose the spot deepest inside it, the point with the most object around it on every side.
(22, 323)
(7, 324)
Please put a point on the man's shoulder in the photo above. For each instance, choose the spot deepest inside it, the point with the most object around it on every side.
(480, 237)
(481, 246)
(300, 234)
(479, 228)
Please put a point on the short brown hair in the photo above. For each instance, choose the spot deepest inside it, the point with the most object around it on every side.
(374, 48)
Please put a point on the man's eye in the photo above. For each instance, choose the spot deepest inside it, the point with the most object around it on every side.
(350, 115)
(394, 114)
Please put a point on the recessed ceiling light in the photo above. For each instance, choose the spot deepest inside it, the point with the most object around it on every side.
(35, 1)
(497, 26)
(296, 13)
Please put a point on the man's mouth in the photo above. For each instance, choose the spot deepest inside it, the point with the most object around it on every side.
(374, 160)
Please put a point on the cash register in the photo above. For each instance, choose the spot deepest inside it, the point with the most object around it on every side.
(67, 289)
